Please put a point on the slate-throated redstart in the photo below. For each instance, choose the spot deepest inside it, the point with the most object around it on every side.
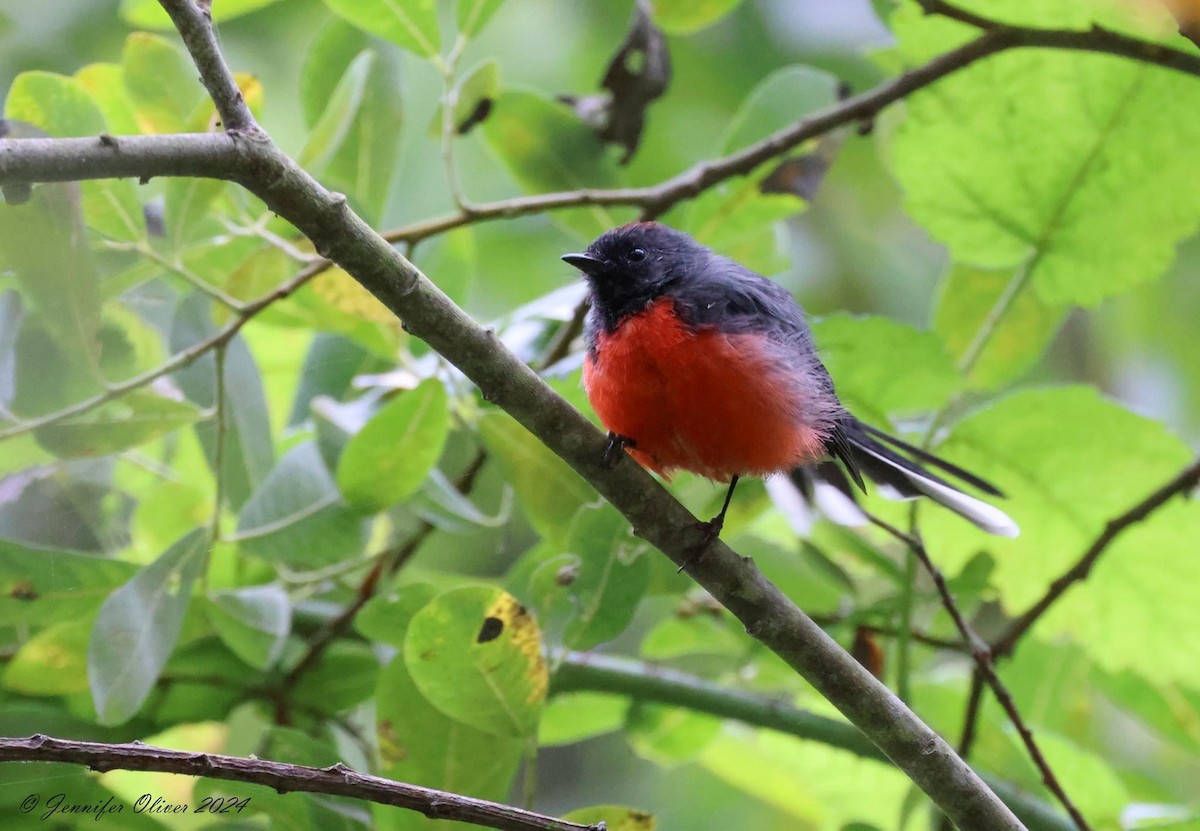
(694, 362)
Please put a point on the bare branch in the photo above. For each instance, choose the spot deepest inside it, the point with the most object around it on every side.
(986, 668)
(337, 780)
(178, 361)
(1185, 481)
(199, 155)
(193, 20)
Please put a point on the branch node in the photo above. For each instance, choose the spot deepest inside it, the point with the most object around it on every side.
(108, 141)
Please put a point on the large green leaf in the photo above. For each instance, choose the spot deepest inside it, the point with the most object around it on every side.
(297, 516)
(476, 654)
(1069, 461)
(546, 148)
(391, 456)
(128, 421)
(419, 743)
(993, 354)
(338, 117)
(41, 586)
(410, 24)
(548, 491)
(365, 159)
(881, 366)
(161, 81)
(137, 628)
(1038, 161)
(52, 662)
(818, 785)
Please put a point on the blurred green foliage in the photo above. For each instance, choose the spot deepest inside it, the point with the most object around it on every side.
(169, 557)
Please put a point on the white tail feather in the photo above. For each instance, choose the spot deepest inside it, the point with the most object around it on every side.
(985, 516)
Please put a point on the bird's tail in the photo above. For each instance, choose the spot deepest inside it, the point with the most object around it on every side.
(902, 472)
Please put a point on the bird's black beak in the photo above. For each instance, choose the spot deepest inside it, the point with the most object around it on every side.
(584, 262)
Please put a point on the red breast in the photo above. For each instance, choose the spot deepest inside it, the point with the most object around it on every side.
(715, 403)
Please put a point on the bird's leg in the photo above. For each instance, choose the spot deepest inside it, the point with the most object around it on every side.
(712, 528)
(615, 449)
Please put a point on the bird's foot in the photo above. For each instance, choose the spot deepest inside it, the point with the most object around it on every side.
(615, 449)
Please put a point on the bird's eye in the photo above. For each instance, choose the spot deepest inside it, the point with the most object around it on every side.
(637, 255)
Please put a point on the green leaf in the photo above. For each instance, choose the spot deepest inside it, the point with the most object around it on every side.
(1069, 461)
(40, 586)
(385, 618)
(1137, 600)
(410, 24)
(297, 515)
(137, 628)
(105, 83)
(614, 817)
(819, 785)
(161, 81)
(545, 148)
(1036, 160)
(473, 15)
(186, 209)
(575, 716)
(476, 654)
(386, 462)
(697, 634)
(254, 622)
(365, 161)
(55, 103)
(419, 743)
(548, 491)
(590, 591)
(966, 299)
(344, 677)
(881, 366)
(149, 14)
(669, 736)
(52, 662)
(338, 116)
(135, 418)
(682, 17)
(44, 242)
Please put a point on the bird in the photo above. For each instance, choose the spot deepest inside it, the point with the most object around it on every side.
(694, 362)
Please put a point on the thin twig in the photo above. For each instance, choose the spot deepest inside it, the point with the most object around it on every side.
(985, 666)
(1185, 481)
(337, 780)
(218, 445)
(177, 361)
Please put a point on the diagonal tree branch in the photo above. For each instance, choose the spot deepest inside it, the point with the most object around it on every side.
(338, 233)
(337, 780)
(1185, 481)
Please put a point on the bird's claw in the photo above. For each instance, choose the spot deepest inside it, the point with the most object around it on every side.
(615, 449)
